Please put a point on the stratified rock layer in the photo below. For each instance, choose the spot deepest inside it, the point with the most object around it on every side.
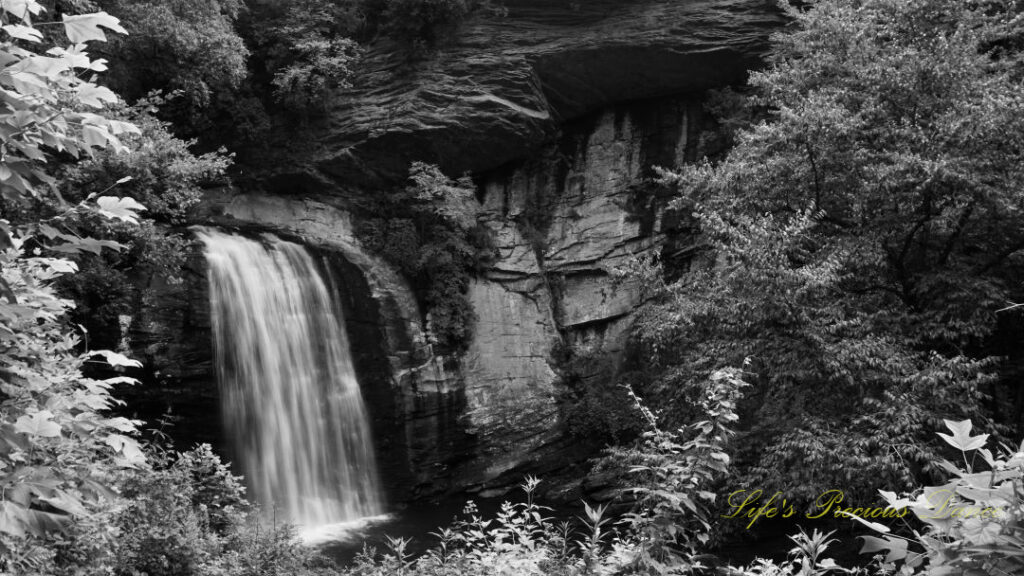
(506, 84)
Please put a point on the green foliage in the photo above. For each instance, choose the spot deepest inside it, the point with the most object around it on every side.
(48, 107)
(187, 515)
(672, 473)
(58, 452)
(189, 46)
(421, 24)
(180, 514)
(673, 477)
(959, 536)
(213, 487)
(669, 531)
(806, 559)
(155, 168)
(319, 65)
(164, 530)
(593, 400)
(970, 524)
(732, 111)
(519, 540)
(305, 48)
(866, 234)
(429, 230)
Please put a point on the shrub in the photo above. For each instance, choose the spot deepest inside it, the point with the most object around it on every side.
(972, 524)
(59, 452)
(969, 525)
(520, 540)
(318, 66)
(595, 406)
(420, 24)
(189, 46)
(165, 175)
(161, 532)
(304, 48)
(182, 514)
(671, 473)
(668, 533)
(430, 231)
(155, 168)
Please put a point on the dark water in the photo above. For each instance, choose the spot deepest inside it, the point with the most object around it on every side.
(417, 522)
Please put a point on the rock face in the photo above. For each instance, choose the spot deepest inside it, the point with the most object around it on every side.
(563, 222)
(170, 333)
(507, 83)
(560, 109)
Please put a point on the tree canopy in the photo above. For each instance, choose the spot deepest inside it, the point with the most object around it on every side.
(866, 231)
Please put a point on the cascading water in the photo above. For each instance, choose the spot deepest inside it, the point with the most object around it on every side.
(290, 397)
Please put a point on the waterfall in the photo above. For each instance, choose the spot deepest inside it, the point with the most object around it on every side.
(290, 399)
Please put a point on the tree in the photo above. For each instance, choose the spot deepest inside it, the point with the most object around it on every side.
(162, 173)
(57, 449)
(185, 47)
(430, 231)
(866, 233)
(47, 107)
(305, 48)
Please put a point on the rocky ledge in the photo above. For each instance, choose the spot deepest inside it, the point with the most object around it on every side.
(507, 83)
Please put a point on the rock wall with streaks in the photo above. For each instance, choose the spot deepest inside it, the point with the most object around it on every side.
(560, 110)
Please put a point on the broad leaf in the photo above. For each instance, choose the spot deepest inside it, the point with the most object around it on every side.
(894, 502)
(961, 438)
(873, 525)
(95, 96)
(44, 66)
(21, 9)
(95, 136)
(895, 548)
(127, 447)
(93, 245)
(115, 359)
(121, 424)
(86, 27)
(23, 32)
(59, 265)
(13, 518)
(40, 424)
(121, 208)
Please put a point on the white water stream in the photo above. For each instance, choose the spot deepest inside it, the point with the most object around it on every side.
(290, 399)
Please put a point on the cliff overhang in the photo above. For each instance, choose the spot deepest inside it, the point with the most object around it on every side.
(507, 83)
